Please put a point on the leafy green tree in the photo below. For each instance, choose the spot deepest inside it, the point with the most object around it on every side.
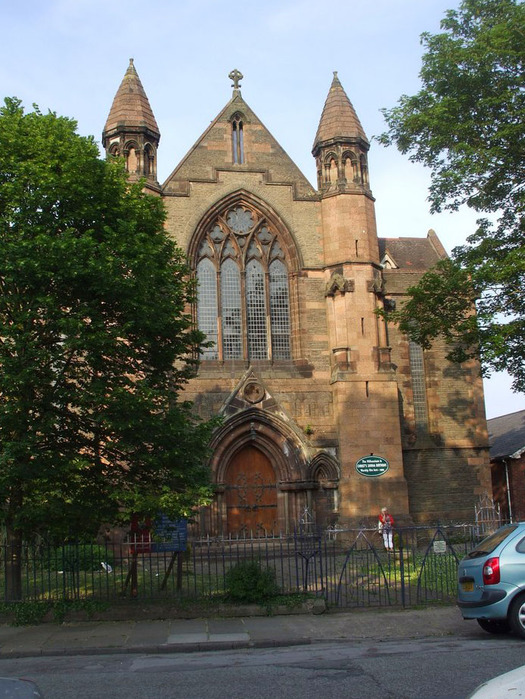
(466, 124)
(95, 342)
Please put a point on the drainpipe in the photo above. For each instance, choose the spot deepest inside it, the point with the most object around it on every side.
(509, 503)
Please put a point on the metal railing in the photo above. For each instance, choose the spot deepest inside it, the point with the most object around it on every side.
(348, 568)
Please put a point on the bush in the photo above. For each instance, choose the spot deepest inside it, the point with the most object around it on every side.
(81, 557)
(248, 582)
(26, 613)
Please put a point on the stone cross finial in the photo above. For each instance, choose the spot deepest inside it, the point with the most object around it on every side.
(236, 75)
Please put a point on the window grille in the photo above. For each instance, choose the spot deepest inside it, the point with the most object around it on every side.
(419, 390)
(279, 310)
(231, 310)
(256, 311)
(207, 306)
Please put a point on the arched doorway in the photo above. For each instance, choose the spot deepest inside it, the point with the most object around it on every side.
(251, 493)
(324, 473)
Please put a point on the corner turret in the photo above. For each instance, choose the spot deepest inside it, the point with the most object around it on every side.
(340, 146)
(131, 131)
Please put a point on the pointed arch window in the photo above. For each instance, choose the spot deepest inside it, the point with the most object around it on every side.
(132, 157)
(331, 173)
(149, 160)
(256, 311)
(207, 306)
(114, 150)
(237, 139)
(231, 310)
(279, 310)
(243, 303)
(350, 167)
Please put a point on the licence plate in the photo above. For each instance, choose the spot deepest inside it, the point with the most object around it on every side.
(467, 586)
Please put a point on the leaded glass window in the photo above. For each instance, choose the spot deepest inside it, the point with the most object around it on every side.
(243, 302)
(256, 311)
(207, 306)
(279, 310)
(231, 310)
(419, 390)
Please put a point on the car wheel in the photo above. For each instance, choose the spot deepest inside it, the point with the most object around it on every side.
(494, 625)
(517, 615)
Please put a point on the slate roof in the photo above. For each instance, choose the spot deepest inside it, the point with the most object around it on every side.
(412, 253)
(507, 435)
(339, 119)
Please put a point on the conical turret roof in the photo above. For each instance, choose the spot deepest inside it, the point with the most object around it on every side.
(131, 108)
(339, 119)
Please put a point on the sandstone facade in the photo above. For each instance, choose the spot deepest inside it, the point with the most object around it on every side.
(308, 379)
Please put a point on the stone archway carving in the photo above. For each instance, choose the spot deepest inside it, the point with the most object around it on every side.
(247, 450)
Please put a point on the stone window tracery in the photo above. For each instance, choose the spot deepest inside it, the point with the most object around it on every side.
(243, 304)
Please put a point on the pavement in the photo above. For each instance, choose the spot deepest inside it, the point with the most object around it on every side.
(207, 634)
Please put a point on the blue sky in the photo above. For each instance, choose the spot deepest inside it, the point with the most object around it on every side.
(69, 56)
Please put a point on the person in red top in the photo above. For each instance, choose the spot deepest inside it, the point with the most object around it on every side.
(386, 528)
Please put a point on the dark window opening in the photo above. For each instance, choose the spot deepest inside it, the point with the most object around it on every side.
(238, 141)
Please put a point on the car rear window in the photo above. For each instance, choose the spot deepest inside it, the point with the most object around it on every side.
(520, 546)
(491, 542)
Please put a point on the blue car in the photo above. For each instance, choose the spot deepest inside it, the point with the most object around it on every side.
(18, 688)
(491, 581)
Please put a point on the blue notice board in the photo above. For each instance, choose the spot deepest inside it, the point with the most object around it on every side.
(170, 535)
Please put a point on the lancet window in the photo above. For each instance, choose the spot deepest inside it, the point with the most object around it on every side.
(243, 304)
(237, 139)
(417, 371)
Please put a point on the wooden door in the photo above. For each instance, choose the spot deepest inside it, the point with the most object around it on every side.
(251, 494)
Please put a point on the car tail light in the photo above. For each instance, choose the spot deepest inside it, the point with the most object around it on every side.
(491, 574)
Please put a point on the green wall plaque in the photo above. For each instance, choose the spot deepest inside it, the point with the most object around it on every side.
(372, 466)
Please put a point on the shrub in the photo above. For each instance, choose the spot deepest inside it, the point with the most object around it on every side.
(26, 613)
(249, 582)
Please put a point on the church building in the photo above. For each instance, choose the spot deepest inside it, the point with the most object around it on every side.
(323, 405)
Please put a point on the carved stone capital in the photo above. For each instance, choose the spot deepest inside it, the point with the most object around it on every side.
(339, 285)
(376, 285)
